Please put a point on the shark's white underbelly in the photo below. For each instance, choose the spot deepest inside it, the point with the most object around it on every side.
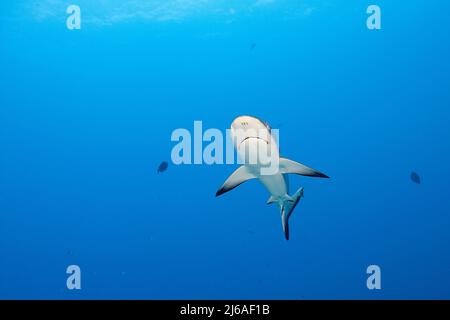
(275, 184)
(250, 150)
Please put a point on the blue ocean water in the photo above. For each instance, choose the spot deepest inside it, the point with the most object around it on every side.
(86, 118)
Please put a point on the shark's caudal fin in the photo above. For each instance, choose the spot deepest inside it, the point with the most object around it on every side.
(288, 205)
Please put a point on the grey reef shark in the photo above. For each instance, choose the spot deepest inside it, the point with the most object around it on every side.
(258, 151)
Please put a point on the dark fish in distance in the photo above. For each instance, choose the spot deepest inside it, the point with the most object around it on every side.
(415, 177)
(163, 167)
(252, 46)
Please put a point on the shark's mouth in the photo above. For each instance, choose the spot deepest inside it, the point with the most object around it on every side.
(258, 138)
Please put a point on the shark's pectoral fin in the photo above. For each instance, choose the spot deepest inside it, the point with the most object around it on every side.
(238, 177)
(289, 166)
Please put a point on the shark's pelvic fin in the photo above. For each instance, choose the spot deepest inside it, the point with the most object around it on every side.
(271, 200)
(238, 177)
(289, 166)
(287, 206)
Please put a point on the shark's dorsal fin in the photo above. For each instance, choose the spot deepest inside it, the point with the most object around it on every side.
(289, 166)
(238, 177)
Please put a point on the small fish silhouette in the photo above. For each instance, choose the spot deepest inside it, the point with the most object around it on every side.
(163, 166)
(415, 177)
(252, 46)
